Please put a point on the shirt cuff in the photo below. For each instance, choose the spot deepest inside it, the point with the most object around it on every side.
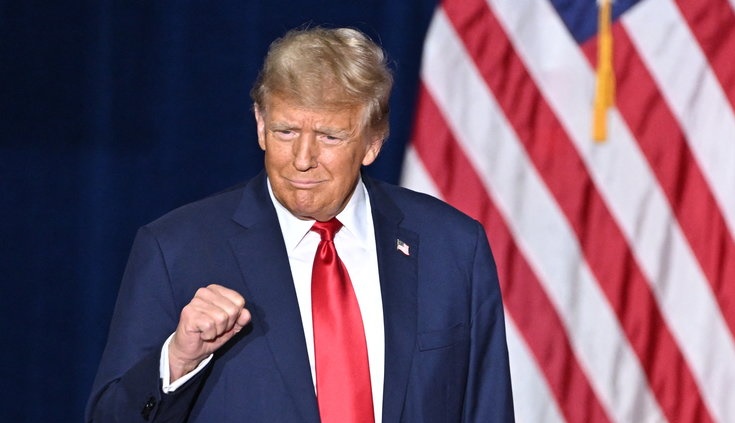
(166, 384)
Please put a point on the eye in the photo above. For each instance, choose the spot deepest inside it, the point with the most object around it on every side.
(330, 139)
(284, 134)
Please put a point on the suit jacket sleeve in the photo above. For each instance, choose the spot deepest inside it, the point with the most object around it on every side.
(128, 387)
(488, 396)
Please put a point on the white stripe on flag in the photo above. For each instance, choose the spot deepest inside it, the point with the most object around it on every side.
(415, 176)
(534, 402)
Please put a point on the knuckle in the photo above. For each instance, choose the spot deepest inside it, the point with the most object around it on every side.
(188, 311)
(206, 325)
(223, 317)
(230, 309)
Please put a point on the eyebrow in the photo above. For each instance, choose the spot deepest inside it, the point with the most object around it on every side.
(327, 130)
(280, 125)
(335, 132)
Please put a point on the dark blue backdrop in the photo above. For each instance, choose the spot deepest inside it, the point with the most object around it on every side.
(112, 113)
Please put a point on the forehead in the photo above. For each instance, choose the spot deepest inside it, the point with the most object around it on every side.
(283, 109)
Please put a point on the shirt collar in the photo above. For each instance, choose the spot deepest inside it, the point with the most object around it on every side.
(355, 218)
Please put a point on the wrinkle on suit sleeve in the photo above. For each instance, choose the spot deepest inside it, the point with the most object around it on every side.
(488, 395)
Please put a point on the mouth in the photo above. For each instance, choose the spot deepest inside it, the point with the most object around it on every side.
(304, 183)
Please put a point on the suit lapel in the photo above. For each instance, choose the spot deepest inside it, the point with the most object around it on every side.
(269, 289)
(398, 283)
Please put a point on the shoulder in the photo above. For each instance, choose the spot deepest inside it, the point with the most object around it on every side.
(215, 207)
(210, 218)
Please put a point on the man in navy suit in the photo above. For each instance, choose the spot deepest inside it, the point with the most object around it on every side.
(213, 321)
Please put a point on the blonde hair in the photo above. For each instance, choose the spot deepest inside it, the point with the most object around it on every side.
(320, 67)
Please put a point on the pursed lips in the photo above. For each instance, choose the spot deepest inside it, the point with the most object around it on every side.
(304, 183)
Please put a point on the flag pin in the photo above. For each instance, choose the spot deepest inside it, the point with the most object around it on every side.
(402, 247)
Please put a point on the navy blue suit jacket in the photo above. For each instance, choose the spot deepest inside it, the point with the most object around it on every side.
(446, 358)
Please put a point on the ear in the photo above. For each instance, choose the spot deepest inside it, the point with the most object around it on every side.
(372, 151)
(260, 124)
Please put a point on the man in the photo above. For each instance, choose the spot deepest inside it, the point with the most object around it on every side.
(221, 316)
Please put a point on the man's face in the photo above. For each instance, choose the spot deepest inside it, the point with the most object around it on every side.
(313, 155)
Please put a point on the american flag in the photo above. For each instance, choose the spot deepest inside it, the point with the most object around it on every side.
(616, 258)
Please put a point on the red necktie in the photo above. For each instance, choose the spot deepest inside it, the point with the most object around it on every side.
(342, 372)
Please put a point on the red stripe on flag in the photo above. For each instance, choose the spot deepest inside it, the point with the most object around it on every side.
(713, 25)
(542, 329)
(604, 246)
(664, 144)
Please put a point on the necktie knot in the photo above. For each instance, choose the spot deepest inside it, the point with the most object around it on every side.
(327, 229)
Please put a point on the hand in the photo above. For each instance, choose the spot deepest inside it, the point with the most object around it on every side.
(212, 318)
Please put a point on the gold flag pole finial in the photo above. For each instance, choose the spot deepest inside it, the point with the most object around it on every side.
(605, 81)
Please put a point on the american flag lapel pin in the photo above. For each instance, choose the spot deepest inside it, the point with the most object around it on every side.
(402, 247)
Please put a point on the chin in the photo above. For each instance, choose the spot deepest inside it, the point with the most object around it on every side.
(300, 211)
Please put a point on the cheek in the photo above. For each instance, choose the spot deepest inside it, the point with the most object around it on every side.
(276, 154)
(343, 163)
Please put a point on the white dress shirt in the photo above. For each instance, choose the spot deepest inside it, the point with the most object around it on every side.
(355, 244)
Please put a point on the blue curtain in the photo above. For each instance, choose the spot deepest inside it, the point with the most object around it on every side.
(111, 114)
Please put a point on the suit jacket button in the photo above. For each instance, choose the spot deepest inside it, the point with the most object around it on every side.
(148, 407)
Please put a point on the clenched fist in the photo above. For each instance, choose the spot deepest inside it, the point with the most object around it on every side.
(212, 318)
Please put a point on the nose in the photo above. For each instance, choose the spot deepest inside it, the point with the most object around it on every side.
(305, 152)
